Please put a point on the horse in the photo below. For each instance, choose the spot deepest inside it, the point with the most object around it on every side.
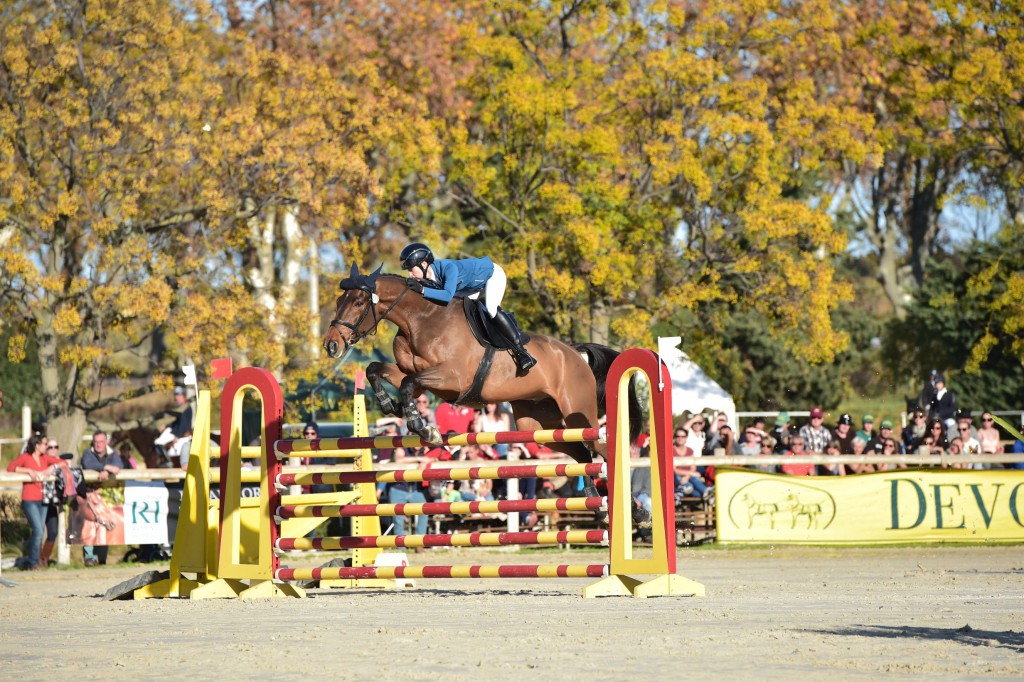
(142, 437)
(435, 350)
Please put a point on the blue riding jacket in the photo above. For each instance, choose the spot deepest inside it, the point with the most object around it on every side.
(459, 278)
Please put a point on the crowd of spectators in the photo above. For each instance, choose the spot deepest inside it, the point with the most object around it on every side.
(938, 427)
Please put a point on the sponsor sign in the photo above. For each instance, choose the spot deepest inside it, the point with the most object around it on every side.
(911, 505)
(145, 513)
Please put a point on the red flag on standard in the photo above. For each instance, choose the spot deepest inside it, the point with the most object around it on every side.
(360, 380)
(220, 368)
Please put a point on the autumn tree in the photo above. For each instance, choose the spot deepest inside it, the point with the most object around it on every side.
(139, 156)
(625, 161)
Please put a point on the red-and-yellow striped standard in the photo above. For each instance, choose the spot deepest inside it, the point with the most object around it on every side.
(310, 511)
(308, 447)
(443, 474)
(478, 571)
(576, 537)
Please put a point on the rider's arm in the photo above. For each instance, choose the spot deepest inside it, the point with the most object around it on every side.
(447, 273)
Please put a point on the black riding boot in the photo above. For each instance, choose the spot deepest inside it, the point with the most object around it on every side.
(524, 360)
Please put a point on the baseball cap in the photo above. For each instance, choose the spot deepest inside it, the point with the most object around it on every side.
(868, 419)
(782, 419)
(817, 412)
(886, 423)
(179, 390)
(845, 418)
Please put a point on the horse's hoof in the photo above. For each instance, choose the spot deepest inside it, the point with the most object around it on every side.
(642, 519)
(432, 435)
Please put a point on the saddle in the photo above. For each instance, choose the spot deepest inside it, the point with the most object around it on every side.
(491, 338)
(485, 331)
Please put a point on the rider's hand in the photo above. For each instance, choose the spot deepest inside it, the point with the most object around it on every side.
(415, 285)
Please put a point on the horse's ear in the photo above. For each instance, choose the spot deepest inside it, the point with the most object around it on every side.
(352, 281)
(376, 273)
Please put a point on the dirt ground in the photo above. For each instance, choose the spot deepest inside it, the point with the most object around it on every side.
(782, 613)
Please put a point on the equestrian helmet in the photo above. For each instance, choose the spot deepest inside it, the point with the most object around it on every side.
(414, 254)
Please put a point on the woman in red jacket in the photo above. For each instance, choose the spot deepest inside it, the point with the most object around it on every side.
(39, 466)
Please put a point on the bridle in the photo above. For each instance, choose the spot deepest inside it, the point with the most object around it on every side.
(357, 335)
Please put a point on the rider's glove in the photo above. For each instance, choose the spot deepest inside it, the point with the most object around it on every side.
(415, 285)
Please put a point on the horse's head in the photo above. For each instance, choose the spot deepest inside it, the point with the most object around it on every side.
(352, 318)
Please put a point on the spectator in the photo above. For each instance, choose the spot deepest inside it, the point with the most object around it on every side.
(767, 450)
(867, 431)
(943, 405)
(956, 447)
(796, 448)
(859, 446)
(963, 418)
(53, 506)
(454, 418)
(171, 437)
(715, 435)
(102, 458)
(885, 432)
(889, 447)
(780, 433)
(937, 432)
(423, 410)
(988, 435)
(816, 435)
(527, 486)
(407, 492)
(844, 434)
(689, 482)
(492, 420)
(640, 477)
(971, 446)
(694, 426)
(1017, 449)
(832, 449)
(37, 465)
(725, 440)
(915, 431)
(751, 444)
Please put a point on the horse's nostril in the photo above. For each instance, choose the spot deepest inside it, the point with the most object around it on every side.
(332, 348)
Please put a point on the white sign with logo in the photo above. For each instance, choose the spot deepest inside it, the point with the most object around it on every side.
(145, 513)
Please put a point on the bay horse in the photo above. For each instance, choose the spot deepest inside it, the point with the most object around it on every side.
(435, 350)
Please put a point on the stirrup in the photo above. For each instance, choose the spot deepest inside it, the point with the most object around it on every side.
(524, 361)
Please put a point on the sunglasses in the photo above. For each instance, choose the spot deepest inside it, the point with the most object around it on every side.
(964, 428)
(890, 445)
(986, 419)
(52, 447)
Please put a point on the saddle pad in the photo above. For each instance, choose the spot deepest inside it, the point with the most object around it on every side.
(480, 324)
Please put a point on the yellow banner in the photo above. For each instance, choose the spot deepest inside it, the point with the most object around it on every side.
(912, 505)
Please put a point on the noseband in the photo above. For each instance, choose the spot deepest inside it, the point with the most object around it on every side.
(357, 335)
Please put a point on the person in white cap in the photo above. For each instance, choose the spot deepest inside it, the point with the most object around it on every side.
(178, 430)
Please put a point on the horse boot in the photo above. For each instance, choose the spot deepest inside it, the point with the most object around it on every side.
(590, 490)
(507, 328)
(45, 553)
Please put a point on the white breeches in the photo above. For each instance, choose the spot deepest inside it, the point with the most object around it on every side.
(494, 290)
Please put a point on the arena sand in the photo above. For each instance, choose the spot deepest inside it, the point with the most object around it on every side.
(781, 613)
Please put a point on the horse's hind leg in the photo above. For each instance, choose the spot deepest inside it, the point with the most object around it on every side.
(375, 372)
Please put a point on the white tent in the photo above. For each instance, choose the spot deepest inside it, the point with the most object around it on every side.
(692, 389)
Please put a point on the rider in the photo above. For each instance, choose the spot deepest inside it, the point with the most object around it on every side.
(463, 278)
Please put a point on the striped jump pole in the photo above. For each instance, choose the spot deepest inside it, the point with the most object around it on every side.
(483, 571)
(443, 474)
(562, 537)
(307, 447)
(295, 511)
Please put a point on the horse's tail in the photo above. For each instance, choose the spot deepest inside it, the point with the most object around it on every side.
(600, 359)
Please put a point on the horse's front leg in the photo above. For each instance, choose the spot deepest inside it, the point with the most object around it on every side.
(413, 421)
(376, 373)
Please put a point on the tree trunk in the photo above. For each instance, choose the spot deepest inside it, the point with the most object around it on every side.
(600, 321)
